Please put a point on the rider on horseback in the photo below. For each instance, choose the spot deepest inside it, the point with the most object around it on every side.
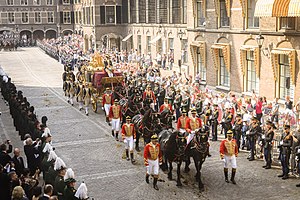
(165, 106)
(181, 123)
(193, 124)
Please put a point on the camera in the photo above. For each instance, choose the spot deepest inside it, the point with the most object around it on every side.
(0, 113)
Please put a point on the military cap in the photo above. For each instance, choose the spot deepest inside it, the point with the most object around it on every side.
(254, 119)
(154, 137)
(193, 111)
(128, 118)
(70, 180)
(271, 124)
(116, 101)
(286, 126)
(107, 89)
(184, 112)
(229, 132)
(148, 86)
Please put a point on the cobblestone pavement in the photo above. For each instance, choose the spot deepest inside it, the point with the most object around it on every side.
(85, 144)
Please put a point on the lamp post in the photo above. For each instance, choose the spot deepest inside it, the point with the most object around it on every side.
(180, 35)
(260, 40)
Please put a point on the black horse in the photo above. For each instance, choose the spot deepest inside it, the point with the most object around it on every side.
(173, 144)
(166, 118)
(198, 150)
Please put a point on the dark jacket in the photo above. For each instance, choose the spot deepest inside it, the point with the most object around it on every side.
(19, 165)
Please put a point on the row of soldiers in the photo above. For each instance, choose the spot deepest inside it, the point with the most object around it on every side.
(40, 154)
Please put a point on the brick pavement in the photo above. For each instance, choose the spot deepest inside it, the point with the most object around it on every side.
(85, 144)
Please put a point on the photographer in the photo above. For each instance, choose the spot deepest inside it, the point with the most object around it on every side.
(4, 153)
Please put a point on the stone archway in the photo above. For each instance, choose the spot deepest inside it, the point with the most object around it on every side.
(67, 32)
(111, 41)
(51, 34)
(38, 35)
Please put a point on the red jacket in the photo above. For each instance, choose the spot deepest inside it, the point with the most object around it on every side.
(115, 112)
(152, 152)
(192, 125)
(228, 148)
(149, 94)
(163, 107)
(128, 131)
(181, 122)
(107, 99)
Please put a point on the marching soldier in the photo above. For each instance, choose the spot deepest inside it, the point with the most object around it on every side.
(207, 114)
(285, 145)
(177, 103)
(214, 120)
(181, 122)
(226, 121)
(70, 91)
(268, 138)
(193, 124)
(79, 95)
(199, 104)
(64, 77)
(115, 116)
(128, 136)
(107, 101)
(186, 103)
(69, 191)
(87, 94)
(253, 134)
(228, 153)
(165, 106)
(238, 125)
(148, 96)
(152, 160)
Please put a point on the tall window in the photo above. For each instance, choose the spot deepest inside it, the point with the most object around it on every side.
(37, 17)
(11, 17)
(24, 2)
(200, 69)
(139, 43)
(253, 22)
(142, 11)
(171, 43)
(110, 14)
(252, 79)
(184, 11)
(24, 17)
(224, 74)
(88, 16)
(175, 17)
(151, 11)
(224, 19)
(50, 17)
(36, 2)
(49, 2)
(285, 77)
(10, 2)
(148, 44)
(184, 51)
(67, 17)
(133, 11)
(200, 14)
(162, 11)
(287, 23)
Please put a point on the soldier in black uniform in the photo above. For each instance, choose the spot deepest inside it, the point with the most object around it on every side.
(214, 123)
(69, 191)
(254, 131)
(226, 121)
(268, 138)
(186, 102)
(207, 114)
(177, 103)
(199, 105)
(285, 145)
(161, 95)
(238, 125)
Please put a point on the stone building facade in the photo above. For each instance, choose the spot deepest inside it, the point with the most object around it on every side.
(37, 19)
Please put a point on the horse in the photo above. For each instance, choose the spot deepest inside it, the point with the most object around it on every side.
(166, 118)
(198, 150)
(173, 144)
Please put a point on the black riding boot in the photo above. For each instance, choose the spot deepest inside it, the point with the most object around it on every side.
(132, 159)
(113, 133)
(117, 134)
(155, 184)
(226, 175)
(127, 155)
(233, 175)
(147, 178)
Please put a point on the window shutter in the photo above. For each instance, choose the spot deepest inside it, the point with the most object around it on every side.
(61, 17)
(102, 14)
(72, 17)
(119, 14)
(124, 11)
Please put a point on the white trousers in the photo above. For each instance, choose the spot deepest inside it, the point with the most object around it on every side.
(190, 137)
(153, 167)
(182, 130)
(115, 124)
(106, 109)
(129, 143)
(231, 160)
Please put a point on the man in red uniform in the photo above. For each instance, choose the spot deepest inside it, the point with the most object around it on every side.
(128, 136)
(152, 160)
(148, 96)
(115, 115)
(107, 101)
(193, 124)
(228, 153)
(181, 122)
(165, 106)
